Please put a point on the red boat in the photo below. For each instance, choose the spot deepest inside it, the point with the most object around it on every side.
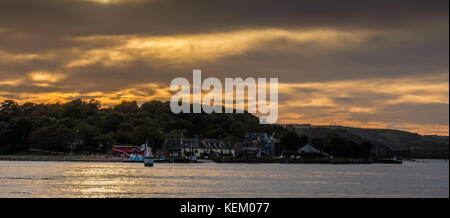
(126, 150)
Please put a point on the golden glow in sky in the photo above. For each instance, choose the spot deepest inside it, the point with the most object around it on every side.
(346, 66)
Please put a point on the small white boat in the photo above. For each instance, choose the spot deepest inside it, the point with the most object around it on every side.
(148, 157)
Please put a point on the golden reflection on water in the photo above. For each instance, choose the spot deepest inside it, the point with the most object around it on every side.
(99, 180)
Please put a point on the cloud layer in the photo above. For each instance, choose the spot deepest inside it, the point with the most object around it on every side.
(380, 64)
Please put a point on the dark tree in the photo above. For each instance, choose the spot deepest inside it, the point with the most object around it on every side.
(291, 141)
(180, 124)
(143, 134)
(14, 138)
(237, 129)
(318, 143)
(151, 106)
(303, 140)
(10, 108)
(214, 132)
(86, 134)
(53, 138)
(127, 107)
(97, 128)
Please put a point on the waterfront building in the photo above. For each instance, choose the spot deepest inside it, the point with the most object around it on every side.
(309, 150)
(198, 148)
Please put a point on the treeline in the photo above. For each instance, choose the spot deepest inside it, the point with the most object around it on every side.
(332, 144)
(87, 127)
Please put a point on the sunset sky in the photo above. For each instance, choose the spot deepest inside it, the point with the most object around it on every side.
(377, 64)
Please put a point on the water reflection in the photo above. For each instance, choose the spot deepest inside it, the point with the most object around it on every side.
(70, 179)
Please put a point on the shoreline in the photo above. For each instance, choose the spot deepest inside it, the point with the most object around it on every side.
(61, 158)
(312, 161)
(104, 158)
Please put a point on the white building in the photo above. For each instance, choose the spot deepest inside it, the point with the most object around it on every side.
(309, 149)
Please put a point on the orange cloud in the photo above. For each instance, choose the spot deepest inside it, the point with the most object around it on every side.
(206, 46)
(319, 107)
(13, 82)
(43, 76)
(140, 92)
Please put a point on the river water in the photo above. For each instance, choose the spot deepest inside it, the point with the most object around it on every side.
(32, 179)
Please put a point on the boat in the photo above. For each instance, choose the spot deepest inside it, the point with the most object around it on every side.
(139, 157)
(148, 159)
(134, 158)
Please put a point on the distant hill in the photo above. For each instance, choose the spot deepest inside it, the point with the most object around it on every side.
(418, 146)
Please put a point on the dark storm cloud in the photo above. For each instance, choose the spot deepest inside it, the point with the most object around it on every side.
(70, 17)
(51, 25)
(30, 88)
(375, 62)
(414, 113)
(416, 51)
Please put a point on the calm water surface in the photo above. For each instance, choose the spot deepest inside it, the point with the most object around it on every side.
(73, 179)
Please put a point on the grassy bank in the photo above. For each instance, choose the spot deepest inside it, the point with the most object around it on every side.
(59, 157)
(308, 161)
